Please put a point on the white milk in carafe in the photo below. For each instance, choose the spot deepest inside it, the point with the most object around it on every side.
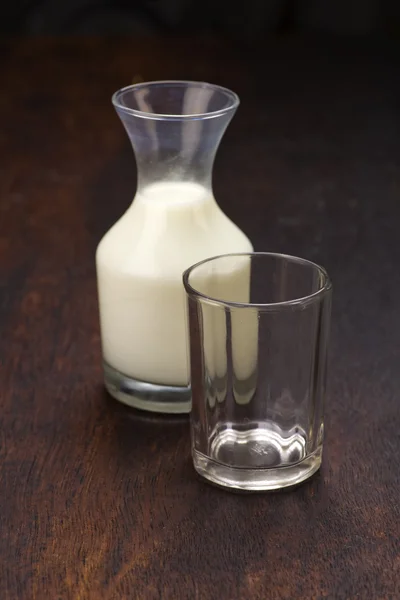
(140, 260)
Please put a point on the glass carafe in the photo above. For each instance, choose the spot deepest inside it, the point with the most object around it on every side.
(175, 128)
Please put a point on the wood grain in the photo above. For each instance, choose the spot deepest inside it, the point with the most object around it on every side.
(98, 501)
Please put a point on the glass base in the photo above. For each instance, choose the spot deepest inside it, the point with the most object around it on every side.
(146, 396)
(256, 479)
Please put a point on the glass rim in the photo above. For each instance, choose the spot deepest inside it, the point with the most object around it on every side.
(267, 306)
(116, 97)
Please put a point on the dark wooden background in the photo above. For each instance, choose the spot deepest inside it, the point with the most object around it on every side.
(98, 501)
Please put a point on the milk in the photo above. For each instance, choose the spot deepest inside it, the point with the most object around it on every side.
(140, 260)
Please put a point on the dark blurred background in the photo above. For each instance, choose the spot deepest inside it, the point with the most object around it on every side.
(245, 20)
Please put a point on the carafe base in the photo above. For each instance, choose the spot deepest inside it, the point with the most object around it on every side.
(146, 396)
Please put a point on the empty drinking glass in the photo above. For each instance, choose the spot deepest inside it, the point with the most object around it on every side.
(259, 328)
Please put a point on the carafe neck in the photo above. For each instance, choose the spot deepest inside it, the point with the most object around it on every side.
(174, 151)
(175, 129)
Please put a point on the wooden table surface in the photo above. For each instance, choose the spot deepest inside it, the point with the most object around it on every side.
(99, 501)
